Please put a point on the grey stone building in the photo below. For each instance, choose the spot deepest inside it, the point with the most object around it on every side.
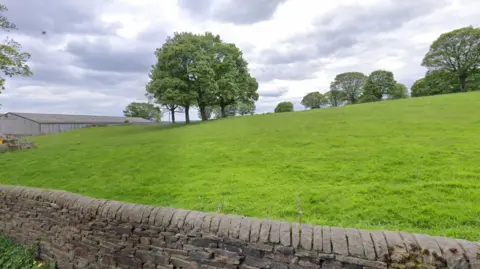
(28, 124)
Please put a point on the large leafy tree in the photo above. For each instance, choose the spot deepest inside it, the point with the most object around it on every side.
(314, 100)
(378, 84)
(147, 111)
(234, 83)
(284, 107)
(350, 84)
(400, 91)
(200, 70)
(335, 97)
(13, 62)
(246, 108)
(457, 52)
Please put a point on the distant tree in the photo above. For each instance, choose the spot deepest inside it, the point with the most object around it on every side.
(457, 52)
(314, 100)
(284, 107)
(143, 110)
(400, 91)
(228, 111)
(246, 108)
(12, 60)
(335, 97)
(378, 84)
(350, 84)
(209, 110)
(418, 88)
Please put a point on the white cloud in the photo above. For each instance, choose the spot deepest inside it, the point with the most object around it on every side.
(293, 46)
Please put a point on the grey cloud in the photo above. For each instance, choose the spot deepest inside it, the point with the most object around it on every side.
(275, 93)
(342, 31)
(99, 55)
(296, 71)
(234, 11)
(58, 17)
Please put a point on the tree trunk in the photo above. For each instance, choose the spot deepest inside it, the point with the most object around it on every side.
(222, 109)
(172, 110)
(463, 83)
(203, 113)
(187, 115)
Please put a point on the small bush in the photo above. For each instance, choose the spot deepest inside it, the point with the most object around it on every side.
(13, 256)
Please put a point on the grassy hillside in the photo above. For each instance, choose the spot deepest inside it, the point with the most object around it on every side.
(410, 165)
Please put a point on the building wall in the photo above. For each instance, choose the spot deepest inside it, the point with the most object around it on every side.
(49, 128)
(14, 125)
(80, 232)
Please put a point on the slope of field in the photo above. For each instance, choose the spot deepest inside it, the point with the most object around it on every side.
(409, 165)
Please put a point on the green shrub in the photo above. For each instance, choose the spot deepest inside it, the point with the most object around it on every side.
(13, 256)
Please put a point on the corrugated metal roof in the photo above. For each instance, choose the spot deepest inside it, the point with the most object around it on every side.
(87, 119)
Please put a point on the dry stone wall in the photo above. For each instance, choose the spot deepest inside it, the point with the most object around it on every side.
(80, 232)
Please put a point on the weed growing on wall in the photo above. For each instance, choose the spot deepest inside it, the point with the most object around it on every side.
(13, 256)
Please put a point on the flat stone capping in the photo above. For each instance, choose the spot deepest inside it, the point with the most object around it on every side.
(81, 232)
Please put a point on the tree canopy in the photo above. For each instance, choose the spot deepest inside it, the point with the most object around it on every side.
(457, 52)
(350, 84)
(284, 107)
(203, 71)
(378, 84)
(13, 62)
(143, 110)
(335, 97)
(314, 100)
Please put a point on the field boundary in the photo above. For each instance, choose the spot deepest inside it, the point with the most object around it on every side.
(77, 231)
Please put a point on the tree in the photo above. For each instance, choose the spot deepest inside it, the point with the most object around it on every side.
(350, 84)
(143, 110)
(201, 70)
(378, 84)
(209, 110)
(457, 52)
(335, 97)
(246, 108)
(400, 91)
(418, 88)
(314, 100)
(232, 77)
(284, 107)
(12, 60)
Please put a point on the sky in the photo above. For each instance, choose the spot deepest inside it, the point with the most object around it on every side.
(96, 55)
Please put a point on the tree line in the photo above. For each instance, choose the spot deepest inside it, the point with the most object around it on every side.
(453, 63)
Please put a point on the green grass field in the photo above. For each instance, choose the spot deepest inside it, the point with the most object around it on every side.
(410, 165)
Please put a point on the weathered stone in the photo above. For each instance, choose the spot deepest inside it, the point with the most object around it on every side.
(184, 264)
(317, 238)
(363, 262)
(265, 231)
(380, 244)
(339, 241)
(452, 253)
(234, 230)
(368, 245)
(409, 241)
(396, 248)
(274, 232)
(255, 230)
(307, 236)
(224, 226)
(245, 229)
(215, 223)
(206, 223)
(355, 245)
(296, 235)
(330, 264)
(327, 240)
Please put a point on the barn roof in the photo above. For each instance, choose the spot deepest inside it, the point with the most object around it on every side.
(86, 119)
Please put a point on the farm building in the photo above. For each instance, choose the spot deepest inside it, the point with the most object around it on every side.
(27, 124)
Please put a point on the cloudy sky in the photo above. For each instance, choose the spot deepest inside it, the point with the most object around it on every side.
(96, 55)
